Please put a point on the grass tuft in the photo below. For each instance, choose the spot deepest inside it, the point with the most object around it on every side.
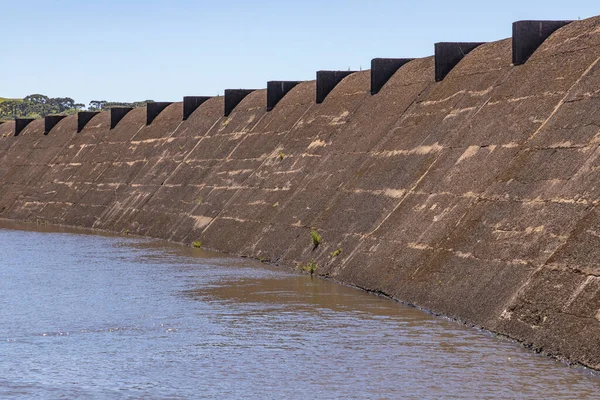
(316, 238)
(310, 268)
(336, 253)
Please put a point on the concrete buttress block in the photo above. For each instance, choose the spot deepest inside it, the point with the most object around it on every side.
(327, 81)
(191, 103)
(50, 122)
(382, 69)
(448, 54)
(276, 90)
(83, 117)
(154, 109)
(21, 123)
(529, 35)
(117, 114)
(233, 97)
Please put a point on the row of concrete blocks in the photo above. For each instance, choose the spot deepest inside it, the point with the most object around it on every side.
(527, 37)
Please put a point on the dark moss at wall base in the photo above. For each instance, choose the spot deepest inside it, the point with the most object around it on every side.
(475, 197)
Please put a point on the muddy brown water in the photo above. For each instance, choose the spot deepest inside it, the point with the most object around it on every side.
(91, 316)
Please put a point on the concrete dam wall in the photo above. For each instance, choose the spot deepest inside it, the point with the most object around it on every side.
(466, 185)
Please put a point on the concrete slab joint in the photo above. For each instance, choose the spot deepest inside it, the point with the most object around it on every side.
(117, 114)
(191, 103)
(21, 123)
(529, 35)
(154, 109)
(50, 122)
(382, 69)
(276, 90)
(83, 117)
(448, 54)
(327, 81)
(233, 97)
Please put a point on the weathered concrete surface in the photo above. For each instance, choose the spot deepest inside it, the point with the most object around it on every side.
(475, 197)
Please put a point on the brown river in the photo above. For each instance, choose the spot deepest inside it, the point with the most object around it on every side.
(91, 316)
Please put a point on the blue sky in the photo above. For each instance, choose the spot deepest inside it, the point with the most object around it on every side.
(164, 50)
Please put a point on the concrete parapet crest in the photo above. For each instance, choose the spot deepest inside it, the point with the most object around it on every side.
(327, 81)
(529, 35)
(233, 97)
(117, 114)
(448, 54)
(83, 117)
(21, 123)
(50, 122)
(154, 109)
(191, 103)
(382, 69)
(276, 90)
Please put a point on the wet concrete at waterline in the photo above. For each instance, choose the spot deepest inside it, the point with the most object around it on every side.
(116, 317)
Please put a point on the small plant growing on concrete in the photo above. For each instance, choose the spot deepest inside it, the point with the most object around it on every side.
(316, 238)
(196, 244)
(336, 253)
(310, 268)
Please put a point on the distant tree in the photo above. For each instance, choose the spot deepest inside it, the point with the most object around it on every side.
(96, 105)
(39, 105)
(10, 109)
(36, 99)
(142, 103)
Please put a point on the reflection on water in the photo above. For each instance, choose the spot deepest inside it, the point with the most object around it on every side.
(108, 317)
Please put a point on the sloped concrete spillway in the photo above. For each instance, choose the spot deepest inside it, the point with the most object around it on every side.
(475, 197)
